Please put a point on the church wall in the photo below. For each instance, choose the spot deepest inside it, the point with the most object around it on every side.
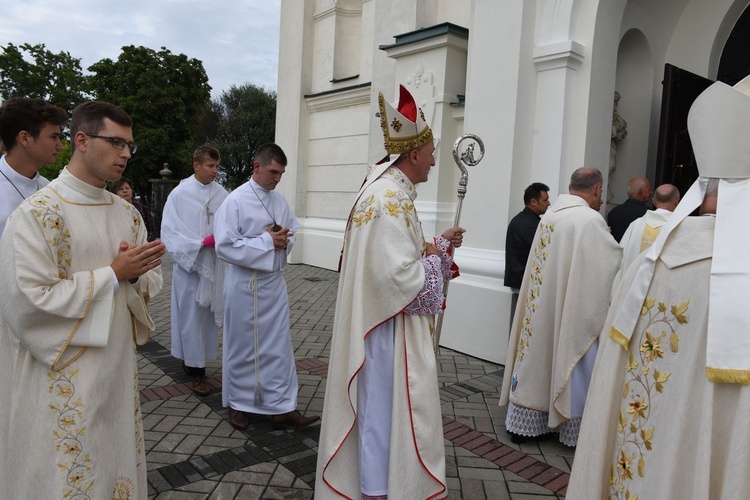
(635, 76)
(539, 83)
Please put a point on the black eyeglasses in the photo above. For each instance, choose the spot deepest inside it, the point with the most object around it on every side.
(117, 142)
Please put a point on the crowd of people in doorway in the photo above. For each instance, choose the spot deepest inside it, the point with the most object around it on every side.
(625, 335)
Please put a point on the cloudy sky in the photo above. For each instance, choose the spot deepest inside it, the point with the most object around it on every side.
(237, 40)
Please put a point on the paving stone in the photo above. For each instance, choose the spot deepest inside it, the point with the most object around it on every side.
(166, 458)
(251, 492)
(169, 442)
(225, 491)
(187, 470)
(282, 477)
(157, 481)
(180, 495)
(275, 492)
(190, 438)
(189, 444)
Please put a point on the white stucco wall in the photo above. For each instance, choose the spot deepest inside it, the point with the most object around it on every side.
(539, 76)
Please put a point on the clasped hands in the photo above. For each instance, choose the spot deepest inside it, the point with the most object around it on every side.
(133, 260)
(280, 237)
(455, 235)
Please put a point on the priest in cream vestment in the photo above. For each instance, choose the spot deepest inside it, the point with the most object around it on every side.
(561, 308)
(74, 291)
(670, 398)
(382, 432)
(642, 232)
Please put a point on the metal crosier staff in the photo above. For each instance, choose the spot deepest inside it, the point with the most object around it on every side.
(463, 160)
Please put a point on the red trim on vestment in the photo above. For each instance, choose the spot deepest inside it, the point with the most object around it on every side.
(348, 394)
(411, 420)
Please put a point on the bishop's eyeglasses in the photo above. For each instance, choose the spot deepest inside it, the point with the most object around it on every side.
(117, 142)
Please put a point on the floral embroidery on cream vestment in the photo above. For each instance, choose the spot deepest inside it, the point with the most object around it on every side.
(643, 382)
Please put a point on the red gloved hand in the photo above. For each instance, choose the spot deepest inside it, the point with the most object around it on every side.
(209, 241)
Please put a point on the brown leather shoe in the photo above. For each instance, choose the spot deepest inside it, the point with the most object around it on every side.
(238, 419)
(200, 386)
(292, 419)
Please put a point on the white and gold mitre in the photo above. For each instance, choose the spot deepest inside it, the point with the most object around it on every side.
(405, 128)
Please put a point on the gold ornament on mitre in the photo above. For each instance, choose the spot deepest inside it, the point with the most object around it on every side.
(405, 128)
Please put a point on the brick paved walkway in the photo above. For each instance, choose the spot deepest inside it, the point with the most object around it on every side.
(193, 452)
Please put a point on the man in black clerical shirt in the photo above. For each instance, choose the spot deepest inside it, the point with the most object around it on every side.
(520, 235)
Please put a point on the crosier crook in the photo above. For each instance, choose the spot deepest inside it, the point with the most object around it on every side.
(464, 160)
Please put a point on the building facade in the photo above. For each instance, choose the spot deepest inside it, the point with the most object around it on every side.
(535, 79)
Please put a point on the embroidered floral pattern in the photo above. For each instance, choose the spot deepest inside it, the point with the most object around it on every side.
(539, 260)
(138, 419)
(643, 382)
(396, 125)
(73, 462)
(395, 202)
(50, 217)
(123, 490)
(137, 221)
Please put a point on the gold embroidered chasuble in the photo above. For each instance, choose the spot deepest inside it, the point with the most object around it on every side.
(561, 308)
(70, 422)
(654, 426)
(381, 275)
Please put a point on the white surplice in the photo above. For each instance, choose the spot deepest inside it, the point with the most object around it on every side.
(197, 274)
(14, 188)
(70, 422)
(256, 300)
(561, 308)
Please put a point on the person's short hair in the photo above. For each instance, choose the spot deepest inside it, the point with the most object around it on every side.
(534, 192)
(115, 185)
(89, 116)
(666, 196)
(29, 114)
(204, 152)
(585, 179)
(268, 153)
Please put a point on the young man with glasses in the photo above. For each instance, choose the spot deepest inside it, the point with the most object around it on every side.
(74, 294)
(30, 133)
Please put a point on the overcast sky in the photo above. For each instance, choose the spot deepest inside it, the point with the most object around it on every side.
(238, 41)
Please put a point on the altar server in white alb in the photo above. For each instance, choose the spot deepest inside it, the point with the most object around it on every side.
(382, 431)
(30, 133)
(670, 396)
(254, 234)
(561, 309)
(187, 229)
(77, 277)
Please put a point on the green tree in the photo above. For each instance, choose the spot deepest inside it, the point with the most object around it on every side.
(167, 95)
(63, 158)
(33, 71)
(241, 119)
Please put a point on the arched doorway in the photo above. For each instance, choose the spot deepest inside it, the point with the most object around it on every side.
(675, 161)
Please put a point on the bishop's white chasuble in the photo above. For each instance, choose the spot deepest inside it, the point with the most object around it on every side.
(382, 274)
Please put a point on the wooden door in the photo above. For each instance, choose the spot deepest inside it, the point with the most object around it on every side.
(675, 162)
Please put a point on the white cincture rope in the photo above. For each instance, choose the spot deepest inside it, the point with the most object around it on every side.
(252, 286)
